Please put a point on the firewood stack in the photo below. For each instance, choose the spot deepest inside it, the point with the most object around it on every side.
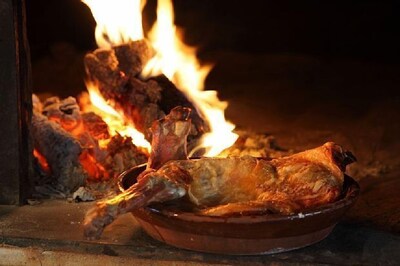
(116, 72)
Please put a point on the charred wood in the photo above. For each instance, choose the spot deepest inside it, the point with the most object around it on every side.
(116, 72)
(68, 141)
(95, 126)
(172, 97)
(133, 56)
(62, 152)
(122, 154)
(67, 114)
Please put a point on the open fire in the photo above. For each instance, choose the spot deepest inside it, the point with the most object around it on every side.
(132, 81)
(172, 58)
(131, 85)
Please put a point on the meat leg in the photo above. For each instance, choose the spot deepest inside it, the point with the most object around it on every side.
(169, 137)
(148, 189)
(168, 143)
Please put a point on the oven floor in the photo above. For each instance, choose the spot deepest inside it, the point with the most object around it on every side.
(51, 233)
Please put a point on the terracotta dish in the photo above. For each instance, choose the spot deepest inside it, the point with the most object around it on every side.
(244, 235)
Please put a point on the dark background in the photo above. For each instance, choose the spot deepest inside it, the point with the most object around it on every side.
(366, 30)
(341, 55)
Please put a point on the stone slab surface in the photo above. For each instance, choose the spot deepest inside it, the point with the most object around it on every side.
(52, 231)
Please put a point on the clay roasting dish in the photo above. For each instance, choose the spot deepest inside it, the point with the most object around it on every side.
(243, 235)
(234, 205)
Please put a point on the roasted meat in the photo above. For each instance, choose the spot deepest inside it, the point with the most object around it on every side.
(228, 186)
(286, 185)
(169, 138)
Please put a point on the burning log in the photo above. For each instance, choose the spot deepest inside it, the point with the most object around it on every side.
(133, 56)
(65, 112)
(61, 151)
(67, 147)
(95, 126)
(172, 97)
(116, 73)
(122, 155)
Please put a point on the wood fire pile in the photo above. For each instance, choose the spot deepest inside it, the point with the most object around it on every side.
(117, 71)
(68, 154)
(67, 139)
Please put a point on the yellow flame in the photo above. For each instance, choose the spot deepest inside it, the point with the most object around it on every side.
(179, 63)
(118, 21)
(114, 119)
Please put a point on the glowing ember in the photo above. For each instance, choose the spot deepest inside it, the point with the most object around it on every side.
(94, 169)
(42, 161)
(120, 21)
(114, 119)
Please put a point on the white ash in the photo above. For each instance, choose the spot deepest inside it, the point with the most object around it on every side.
(83, 194)
(62, 152)
(256, 145)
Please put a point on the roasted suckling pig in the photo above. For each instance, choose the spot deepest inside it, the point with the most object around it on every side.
(229, 186)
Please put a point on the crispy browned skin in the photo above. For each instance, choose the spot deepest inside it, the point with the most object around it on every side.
(286, 185)
(237, 185)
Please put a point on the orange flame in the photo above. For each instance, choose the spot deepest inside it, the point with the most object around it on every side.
(116, 22)
(94, 169)
(179, 63)
(42, 161)
(114, 119)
